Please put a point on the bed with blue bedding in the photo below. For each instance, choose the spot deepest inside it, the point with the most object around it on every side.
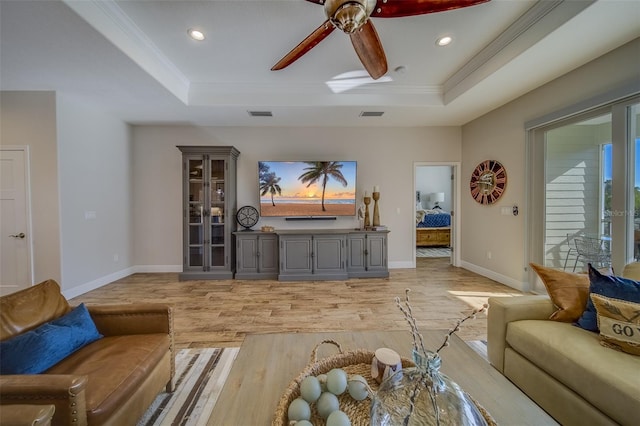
(435, 220)
(433, 228)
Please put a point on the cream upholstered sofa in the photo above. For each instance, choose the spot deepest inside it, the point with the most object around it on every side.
(560, 366)
(108, 381)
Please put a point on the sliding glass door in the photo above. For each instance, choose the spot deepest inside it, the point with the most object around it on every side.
(634, 131)
(633, 206)
(576, 169)
(585, 189)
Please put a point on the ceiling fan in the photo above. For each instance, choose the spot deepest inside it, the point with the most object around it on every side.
(352, 17)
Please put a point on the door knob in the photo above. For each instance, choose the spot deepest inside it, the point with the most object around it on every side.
(20, 235)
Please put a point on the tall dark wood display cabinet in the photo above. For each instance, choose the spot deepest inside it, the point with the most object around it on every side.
(208, 211)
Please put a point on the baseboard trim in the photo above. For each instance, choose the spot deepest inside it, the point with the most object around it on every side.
(92, 285)
(502, 279)
(157, 268)
(402, 265)
(107, 279)
(95, 284)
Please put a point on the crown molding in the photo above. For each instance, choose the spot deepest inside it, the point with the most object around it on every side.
(106, 17)
(211, 94)
(536, 23)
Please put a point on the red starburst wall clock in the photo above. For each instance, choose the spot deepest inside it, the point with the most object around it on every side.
(488, 182)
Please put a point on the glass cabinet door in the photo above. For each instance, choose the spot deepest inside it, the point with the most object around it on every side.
(196, 209)
(209, 204)
(217, 218)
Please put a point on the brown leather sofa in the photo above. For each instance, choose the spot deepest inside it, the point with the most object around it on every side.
(26, 415)
(111, 381)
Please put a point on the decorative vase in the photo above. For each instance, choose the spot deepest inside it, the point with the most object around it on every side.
(421, 395)
(376, 212)
(367, 220)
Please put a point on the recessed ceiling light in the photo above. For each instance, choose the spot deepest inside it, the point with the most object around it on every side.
(196, 34)
(443, 41)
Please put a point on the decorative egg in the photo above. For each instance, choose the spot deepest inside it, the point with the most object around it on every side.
(327, 404)
(336, 381)
(357, 387)
(338, 418)
(299, 410)
(322, 378)
(310, 389)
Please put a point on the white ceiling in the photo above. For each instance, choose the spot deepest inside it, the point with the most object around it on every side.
(134, 58)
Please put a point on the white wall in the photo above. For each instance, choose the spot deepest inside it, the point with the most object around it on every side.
(29, 118)
(385, 157)
(500, 135)
(95, 196)
(430, 179)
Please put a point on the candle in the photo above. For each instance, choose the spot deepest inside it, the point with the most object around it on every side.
(376, 188)
(366, 193)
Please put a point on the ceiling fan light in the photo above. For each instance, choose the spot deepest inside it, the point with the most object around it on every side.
(444, 41)
(349, 17)
(196, 34)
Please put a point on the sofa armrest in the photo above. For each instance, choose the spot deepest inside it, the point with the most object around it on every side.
(136, 318)
(66, 392)
(502, 311)
(27, 415)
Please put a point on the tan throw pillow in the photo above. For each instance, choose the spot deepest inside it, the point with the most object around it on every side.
(632, 271)
(569, 292)
(619, 323)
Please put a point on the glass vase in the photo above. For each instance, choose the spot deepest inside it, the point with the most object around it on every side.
(421, 395)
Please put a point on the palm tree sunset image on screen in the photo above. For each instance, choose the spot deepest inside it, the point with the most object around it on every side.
(268, 182)
(323, 170)
(307, 188)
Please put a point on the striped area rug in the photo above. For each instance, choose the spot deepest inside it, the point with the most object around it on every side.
(480, 346)
(200, 375)
(433, 252)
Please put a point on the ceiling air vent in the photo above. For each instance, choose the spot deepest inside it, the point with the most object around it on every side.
(371, 113)
(260, 113)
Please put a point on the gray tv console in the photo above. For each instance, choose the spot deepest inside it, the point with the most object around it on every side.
(311, 254)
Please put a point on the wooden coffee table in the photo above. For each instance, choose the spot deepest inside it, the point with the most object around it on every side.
(267, 363)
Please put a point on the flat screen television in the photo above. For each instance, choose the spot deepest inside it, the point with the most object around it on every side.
(307, 188)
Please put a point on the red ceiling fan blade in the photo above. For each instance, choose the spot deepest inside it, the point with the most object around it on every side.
(369, 49)
(307, 44)
(398, 8)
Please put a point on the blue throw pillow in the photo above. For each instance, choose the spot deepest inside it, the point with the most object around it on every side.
(41, 348)
(609, 286)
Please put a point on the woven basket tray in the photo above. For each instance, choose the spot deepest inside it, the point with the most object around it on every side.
(352, 362)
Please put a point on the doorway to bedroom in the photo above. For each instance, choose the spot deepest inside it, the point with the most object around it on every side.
(435, 200)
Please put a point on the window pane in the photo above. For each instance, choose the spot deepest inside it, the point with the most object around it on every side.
(635, 135)
(575, 195)
(607, 167)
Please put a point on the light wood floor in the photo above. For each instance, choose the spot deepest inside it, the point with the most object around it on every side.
(221, 313)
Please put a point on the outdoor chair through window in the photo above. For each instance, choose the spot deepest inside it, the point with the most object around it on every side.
(591, 250)
(570, 251)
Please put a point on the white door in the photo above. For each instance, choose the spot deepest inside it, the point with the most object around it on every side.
(15, 269)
